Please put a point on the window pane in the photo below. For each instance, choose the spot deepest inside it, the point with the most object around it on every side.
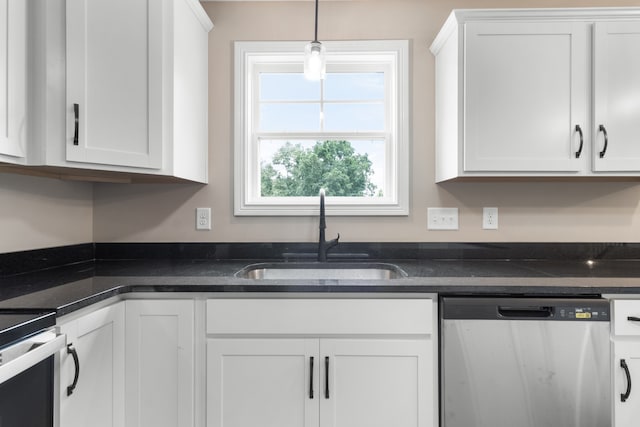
(375, 150)
(354, 86)
(299, 168)
(289, 117)
(288, 87)
(354, 117)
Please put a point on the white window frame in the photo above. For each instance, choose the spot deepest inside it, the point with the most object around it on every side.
(250, 57)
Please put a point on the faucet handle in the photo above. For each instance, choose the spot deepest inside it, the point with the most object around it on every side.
(334, 242)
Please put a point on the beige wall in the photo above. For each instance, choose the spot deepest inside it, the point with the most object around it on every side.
(543, 211)
(40, 212)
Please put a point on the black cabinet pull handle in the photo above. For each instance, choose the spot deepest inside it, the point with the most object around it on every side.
(326, 377)
(624, 396)
(72, 351)
(579, 152)
(76, 113)
(311, 377)
(606, 140)
(633, 319)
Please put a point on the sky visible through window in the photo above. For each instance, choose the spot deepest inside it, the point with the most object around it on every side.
(352, 103)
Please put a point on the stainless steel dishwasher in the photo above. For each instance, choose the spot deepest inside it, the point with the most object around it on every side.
(525, 362)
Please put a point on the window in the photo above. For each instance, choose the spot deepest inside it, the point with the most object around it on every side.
(348, 133)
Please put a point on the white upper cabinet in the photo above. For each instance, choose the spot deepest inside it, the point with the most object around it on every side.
(114, 82)
(122, 87)
(616, 76)
(525, 87)
(516, 90)
(13, 80)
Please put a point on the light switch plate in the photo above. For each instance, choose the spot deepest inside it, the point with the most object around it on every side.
(442, 218)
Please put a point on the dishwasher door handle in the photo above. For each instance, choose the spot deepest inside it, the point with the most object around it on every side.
(624, 396)
(515, 312)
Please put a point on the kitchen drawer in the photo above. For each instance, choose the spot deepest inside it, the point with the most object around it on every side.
(622, 310)
(317, 317)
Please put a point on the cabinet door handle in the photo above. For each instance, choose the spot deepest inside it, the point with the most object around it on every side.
(624, 396)
(602, 129)
(76, 113)
(72, 351)
(633, 319)
(326, 377)
(579, 152)
(311, 377)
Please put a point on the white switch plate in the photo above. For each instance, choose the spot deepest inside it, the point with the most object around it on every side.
(442, 218)
(490, 218)
(203, 218)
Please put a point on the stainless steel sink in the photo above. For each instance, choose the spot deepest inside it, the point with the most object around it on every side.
(321, 271)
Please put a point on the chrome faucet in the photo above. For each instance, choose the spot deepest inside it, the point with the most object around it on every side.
(323, 245)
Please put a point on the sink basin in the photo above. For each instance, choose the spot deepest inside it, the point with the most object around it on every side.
(321, 271)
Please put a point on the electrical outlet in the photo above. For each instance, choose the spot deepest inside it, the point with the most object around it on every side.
(442, 218)
(490, 218)
(203, 218)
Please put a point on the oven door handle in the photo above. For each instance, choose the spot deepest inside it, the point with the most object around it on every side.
(32, 358)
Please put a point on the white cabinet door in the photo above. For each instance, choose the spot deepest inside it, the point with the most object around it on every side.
(115, 82)
(159, 385)
(13, 80)
(616, 96)
(526, 90)
(273, 382)
(263, 382)
(626, 390)
(625, 364)
(377, 383)
(98, 398)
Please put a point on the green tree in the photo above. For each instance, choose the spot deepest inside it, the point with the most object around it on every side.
(332, 165)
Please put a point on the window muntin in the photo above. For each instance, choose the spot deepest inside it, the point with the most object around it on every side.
(343, 102)
(358, 102)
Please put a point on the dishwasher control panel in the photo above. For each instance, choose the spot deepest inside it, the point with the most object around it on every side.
(582, 312)
(542, 309)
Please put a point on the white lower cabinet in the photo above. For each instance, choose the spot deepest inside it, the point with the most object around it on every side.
(262, 382)
(159, 387)
(626, 362)
(97, 400)
(333, 376)
(318, 382)
(376, 382)
(152, 341)
(626, 398)
(269, 363)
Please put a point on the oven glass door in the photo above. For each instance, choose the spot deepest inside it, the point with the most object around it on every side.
(27, 398)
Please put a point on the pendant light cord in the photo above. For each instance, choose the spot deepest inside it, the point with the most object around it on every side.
(315, 39)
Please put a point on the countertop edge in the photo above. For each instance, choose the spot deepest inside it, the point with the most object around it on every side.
(517, 286)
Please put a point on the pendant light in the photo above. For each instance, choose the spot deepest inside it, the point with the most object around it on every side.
(315, 61)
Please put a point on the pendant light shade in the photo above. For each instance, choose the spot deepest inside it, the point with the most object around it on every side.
(315, 62)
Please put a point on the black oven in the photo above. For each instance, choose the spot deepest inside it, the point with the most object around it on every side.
(27, 398)
(28, 344)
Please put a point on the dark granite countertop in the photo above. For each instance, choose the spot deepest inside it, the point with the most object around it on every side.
(69, 288)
